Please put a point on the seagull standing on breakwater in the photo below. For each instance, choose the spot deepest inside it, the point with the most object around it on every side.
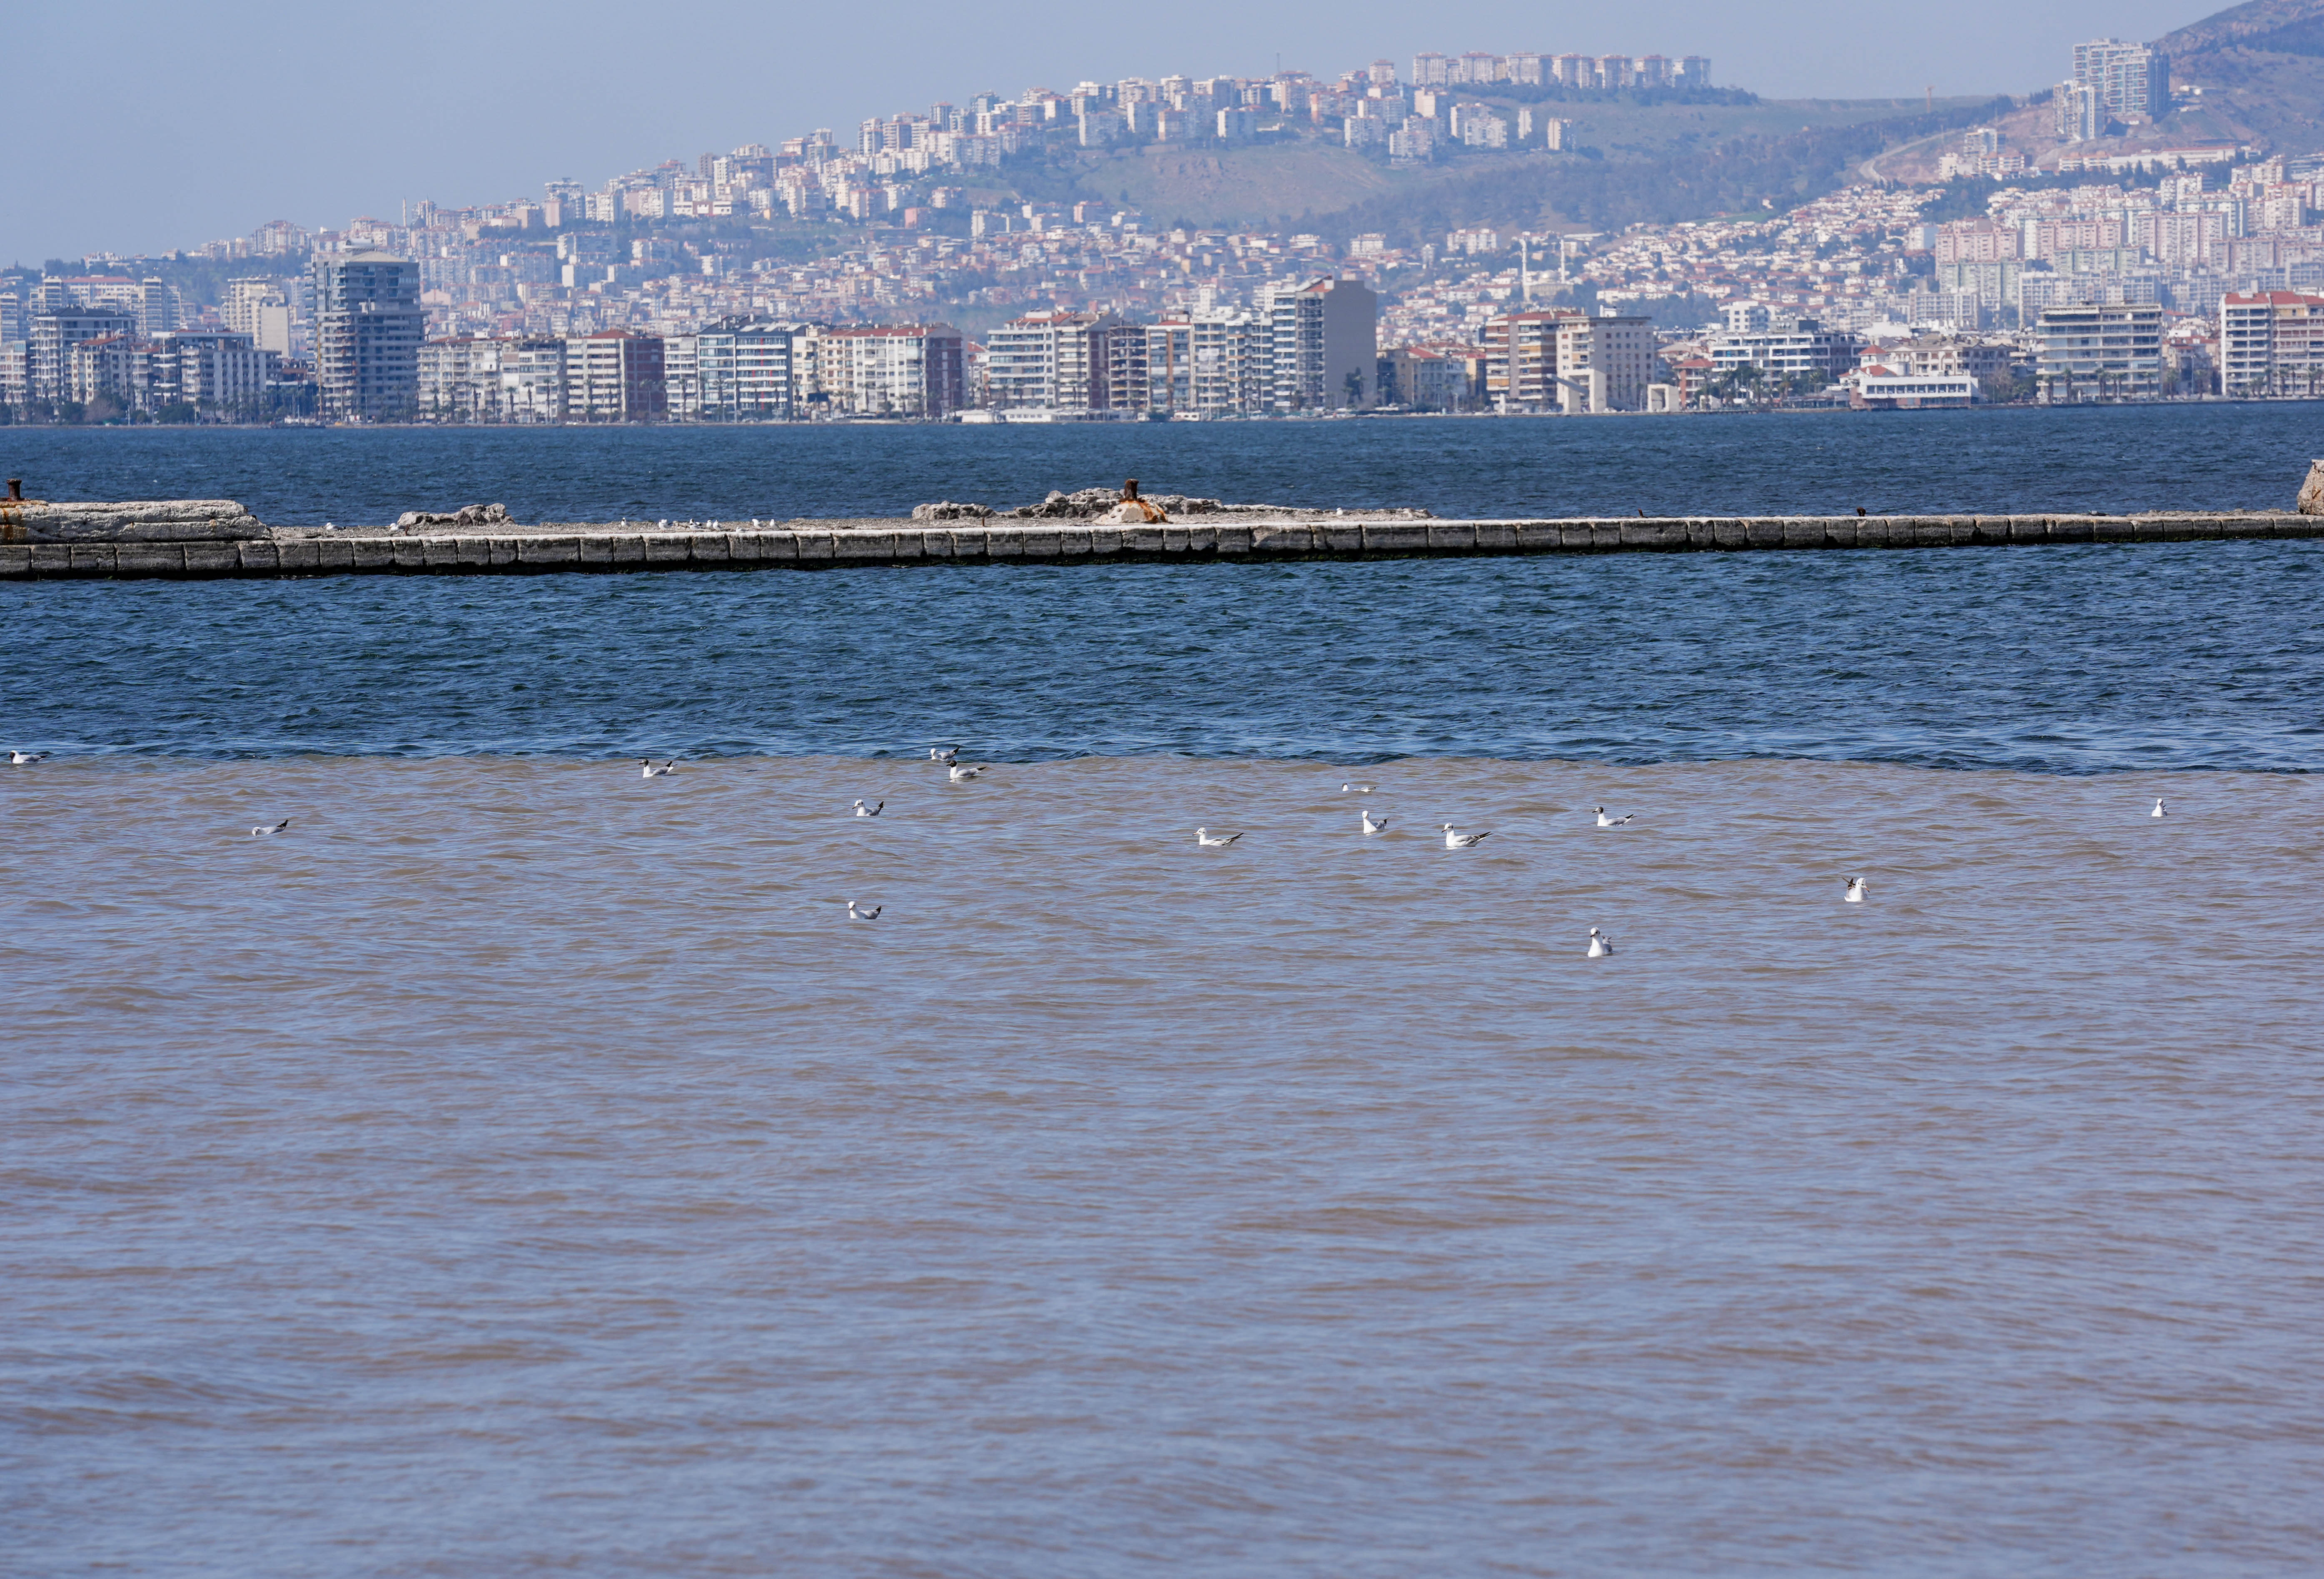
(1601, 946)
(650, 771)
(1456, 840)
(856, 912)
(278, 827)
(26, 757)
(1202, 837)
(1855, 891)
(2158, 807)
(1613, 822)
(863, 811)
(957, 774)
(1369, 825)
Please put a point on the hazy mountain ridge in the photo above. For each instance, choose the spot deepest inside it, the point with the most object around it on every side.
(2252, 25)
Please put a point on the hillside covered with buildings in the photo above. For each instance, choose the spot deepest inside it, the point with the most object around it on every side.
(1529, 232)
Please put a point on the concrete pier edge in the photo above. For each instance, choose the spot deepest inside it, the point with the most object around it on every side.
(1322, 538)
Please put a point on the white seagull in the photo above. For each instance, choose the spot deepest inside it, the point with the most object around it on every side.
(1202, 837)
(1613, 822)
(25, 758)
(957, 774)
(863, 811)
(2156, 812)
(947, 755)
(856, 912)
(1456, 840)
(278, 827)
(648, 770)
(1856, 890)
(1356, 789)
(1369, 825)
(1601, 946)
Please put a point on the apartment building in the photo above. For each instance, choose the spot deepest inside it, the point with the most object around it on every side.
(2099, 352)
(369, 327)
(1210, 361)
(208, 369)
(221, 370)
(744, 371)
(1605, 364)
(55, 328)
(532, 379)
(1324, 350)
(614, 376)
(894, 370)
(2271, 342)
(1786, 347)
(1421, 378)
(2128, 80)
(460, 380)
(1066, 361)
(1521, 373)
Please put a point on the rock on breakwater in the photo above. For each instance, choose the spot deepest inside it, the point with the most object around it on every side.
(798, 546)
(148, 521)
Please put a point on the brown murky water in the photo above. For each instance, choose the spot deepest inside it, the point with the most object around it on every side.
(520, 1167)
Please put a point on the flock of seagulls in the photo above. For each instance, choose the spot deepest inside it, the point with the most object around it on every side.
(958, 773)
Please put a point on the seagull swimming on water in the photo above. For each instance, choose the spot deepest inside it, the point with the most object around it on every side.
(1202, 837)
(1855, 891)
(1357, 788)
(947, 755)
(1456, 840)
(957, 774)
(1601, 944)
(278, 827)
(1369, 825)
(1613, 822)
(863, 811)
(856, 912)
(25, 758)
(650, 771)
(2156, 812)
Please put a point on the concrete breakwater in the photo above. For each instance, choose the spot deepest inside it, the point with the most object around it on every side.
(543, 550)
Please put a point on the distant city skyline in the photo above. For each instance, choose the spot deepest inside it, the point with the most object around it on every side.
(463, 106)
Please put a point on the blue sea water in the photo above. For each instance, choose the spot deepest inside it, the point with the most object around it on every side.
(2116, 459)
(2201, 655)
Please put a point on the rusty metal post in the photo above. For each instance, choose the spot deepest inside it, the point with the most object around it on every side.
(1130, 488)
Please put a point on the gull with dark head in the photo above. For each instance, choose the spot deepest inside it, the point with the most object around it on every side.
(1454, 839)
(956, 773)
(648, 770)
(26, 757)
(1613, 822)
(1855, 895)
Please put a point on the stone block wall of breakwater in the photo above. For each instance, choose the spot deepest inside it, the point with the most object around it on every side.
(547, 550)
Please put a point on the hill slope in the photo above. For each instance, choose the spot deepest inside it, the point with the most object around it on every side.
(2261, 68)
(1639, 162)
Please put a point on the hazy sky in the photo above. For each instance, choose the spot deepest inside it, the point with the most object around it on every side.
(138, 126)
